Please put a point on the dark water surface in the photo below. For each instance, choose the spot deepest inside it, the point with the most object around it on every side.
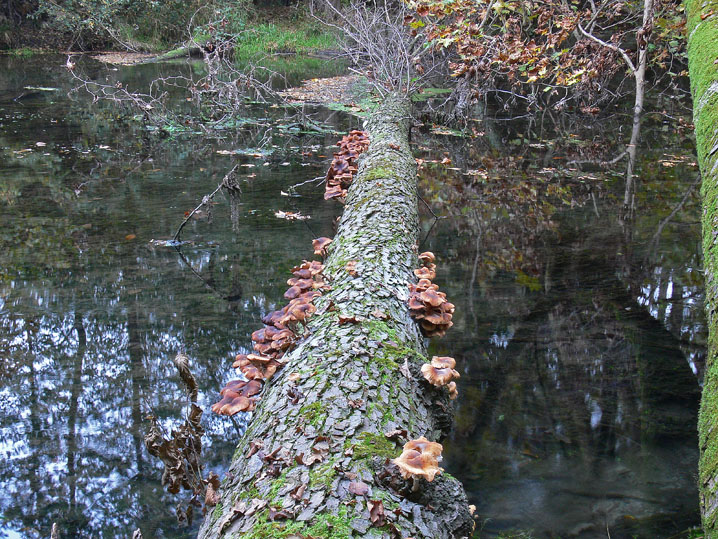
(579, 329)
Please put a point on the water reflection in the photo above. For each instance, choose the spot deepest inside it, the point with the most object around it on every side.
(92, 312)
(581, 339)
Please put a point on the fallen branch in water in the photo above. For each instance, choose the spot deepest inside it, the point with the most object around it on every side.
(229, 182)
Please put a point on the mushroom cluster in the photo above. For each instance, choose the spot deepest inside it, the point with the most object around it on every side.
(238, 396)
(426, 303)
(279, 335)
(419, 458)
(343, 167)
(440, 373)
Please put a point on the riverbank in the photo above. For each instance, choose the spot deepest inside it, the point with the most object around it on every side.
(254, 33)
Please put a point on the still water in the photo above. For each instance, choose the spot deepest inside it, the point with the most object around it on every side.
(579, 328)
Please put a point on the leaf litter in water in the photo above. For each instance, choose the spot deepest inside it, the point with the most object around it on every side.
(291, 215)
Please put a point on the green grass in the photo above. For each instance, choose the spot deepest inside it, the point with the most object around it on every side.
(300, 37)
(23, 52)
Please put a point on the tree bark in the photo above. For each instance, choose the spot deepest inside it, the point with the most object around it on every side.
(702, 52)
(350, 384)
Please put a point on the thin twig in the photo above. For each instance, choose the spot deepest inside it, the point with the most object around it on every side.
(619, 50)
(206, 200)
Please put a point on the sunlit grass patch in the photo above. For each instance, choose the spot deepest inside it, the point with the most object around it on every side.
(271, 38)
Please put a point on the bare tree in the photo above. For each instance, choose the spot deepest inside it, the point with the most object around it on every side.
(379, 44)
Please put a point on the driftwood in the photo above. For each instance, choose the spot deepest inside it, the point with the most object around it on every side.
(315, 460)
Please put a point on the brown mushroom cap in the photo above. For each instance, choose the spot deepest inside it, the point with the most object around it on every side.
(272, 319)
(427, 257)
(437, 318)
(334, 191)
(265, 368)
(425, 273)
(432, 297)
(419, 458)
(453, 391)
(315, 267)
(236, 397)
(415, 304)
(443, 362)
(438, 376)
(320, 245)
(232, 403)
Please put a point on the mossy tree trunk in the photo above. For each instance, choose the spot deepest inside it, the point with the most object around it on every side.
(322, 420)
(702, 53)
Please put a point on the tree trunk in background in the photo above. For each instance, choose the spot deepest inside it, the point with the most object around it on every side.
(702, 53)
(355, 382)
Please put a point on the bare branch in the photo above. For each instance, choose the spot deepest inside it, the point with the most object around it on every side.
(619, 50)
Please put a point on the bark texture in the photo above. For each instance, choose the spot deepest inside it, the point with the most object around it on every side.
(322, 432)
(702, 53)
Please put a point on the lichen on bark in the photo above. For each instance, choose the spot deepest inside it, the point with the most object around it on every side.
(356, 381)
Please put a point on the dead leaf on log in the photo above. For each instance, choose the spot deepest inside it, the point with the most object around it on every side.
(351, 268)
(273, 456)
(396, 433)
(254, 446)
(376, 513)
(278, 514)
(358, 403)
(294, 394)
(379, 314)
(350, 319)
(293, 377)
(242, 507)
(298, 492)
(360, 488)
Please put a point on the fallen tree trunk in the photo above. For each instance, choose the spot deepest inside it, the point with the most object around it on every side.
(702, 52)
(314, 459)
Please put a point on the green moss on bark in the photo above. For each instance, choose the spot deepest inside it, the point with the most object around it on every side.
(702, 30)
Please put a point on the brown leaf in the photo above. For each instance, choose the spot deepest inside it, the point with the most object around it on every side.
(211, 498)
(379, 314)
(294, 394)
(254, 446)
(376, 513)
(351, 268)
(396, 433)
(213, 480)
(358, 403)
(349, 319)
(278, 514)
(273, 456)
(360, 488)
(393, 146)
(298, 492)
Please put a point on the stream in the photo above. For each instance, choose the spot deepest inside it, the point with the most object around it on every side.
(579, 328)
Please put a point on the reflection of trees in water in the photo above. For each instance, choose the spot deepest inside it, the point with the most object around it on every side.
(90, 321)
(581, 337)
(568, 386)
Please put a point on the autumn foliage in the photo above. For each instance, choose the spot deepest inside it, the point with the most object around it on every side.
(536, 47)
